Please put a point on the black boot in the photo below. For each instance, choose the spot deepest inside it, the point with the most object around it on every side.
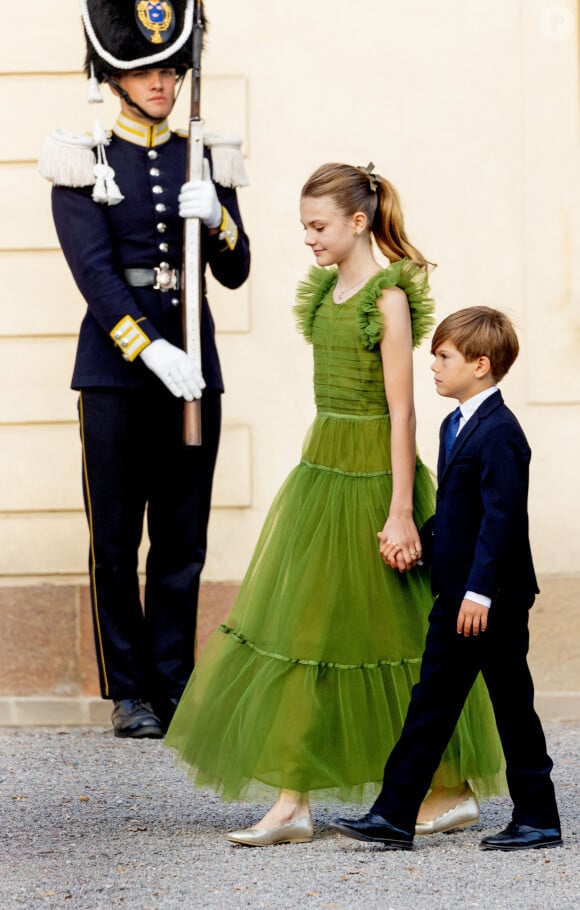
(135, 718)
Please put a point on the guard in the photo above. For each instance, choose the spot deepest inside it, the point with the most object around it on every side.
(119, 203)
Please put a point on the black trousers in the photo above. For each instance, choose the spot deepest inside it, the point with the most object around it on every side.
(134, 459)
(450, 665)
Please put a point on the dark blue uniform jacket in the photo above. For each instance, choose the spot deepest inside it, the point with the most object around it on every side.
(101, 241)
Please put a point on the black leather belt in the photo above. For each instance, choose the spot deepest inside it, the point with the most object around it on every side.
(160, 278)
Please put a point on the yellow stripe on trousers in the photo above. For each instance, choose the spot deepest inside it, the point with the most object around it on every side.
(95, 599)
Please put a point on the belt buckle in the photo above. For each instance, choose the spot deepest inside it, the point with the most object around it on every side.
(165, 277)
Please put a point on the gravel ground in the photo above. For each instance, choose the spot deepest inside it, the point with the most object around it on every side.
(88, 822)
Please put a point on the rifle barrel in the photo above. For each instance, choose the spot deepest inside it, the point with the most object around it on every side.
(191, 293)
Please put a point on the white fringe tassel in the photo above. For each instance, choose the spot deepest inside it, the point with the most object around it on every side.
(93, 91)
(227, 159)
(67, 159)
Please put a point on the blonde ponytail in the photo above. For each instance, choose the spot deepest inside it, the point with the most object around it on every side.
(388, 226)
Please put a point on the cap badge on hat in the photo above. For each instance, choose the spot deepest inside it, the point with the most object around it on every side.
(156, 21)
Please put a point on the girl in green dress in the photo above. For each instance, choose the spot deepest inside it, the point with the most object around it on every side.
(303, 690)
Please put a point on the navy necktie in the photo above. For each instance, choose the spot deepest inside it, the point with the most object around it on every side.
(451, 432)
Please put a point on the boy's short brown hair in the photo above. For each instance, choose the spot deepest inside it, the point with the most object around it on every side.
(480, 331)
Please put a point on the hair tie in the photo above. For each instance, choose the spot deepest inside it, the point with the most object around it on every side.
(373, 179)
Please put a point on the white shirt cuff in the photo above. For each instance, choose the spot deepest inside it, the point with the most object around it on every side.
(478, 599)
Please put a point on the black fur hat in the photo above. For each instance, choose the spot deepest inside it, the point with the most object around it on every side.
(137, 34)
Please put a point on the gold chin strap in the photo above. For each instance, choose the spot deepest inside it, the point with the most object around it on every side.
(179, 82)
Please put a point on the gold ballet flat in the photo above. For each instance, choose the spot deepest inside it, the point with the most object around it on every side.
(299, 831)
(466, 813)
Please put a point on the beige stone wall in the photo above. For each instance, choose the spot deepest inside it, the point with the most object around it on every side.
(470, 107)
(48, 673)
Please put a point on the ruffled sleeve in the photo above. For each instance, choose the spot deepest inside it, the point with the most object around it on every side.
(309, 295)
(412, 279)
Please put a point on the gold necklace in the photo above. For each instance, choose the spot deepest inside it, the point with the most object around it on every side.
(340, 294)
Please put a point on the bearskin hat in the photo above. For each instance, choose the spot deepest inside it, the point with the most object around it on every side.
(137, 34)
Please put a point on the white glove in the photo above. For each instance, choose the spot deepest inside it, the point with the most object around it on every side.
(174, 368)
(198, 199)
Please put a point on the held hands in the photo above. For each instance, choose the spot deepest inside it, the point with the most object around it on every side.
(174, 368)
(400, 544)
(198, 199)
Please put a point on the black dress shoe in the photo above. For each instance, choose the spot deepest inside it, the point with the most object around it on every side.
(375, 829)
(135, 718)
(522, 837)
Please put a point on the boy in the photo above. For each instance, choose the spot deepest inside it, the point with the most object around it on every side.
(484, 581)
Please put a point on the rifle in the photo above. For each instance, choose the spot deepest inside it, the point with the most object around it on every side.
(191, 289)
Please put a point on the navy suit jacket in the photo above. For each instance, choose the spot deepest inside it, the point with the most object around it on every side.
(480, 529)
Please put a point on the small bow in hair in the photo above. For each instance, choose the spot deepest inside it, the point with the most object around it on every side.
(373, 179)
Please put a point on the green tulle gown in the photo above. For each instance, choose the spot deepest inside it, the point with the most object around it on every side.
(306, 684)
